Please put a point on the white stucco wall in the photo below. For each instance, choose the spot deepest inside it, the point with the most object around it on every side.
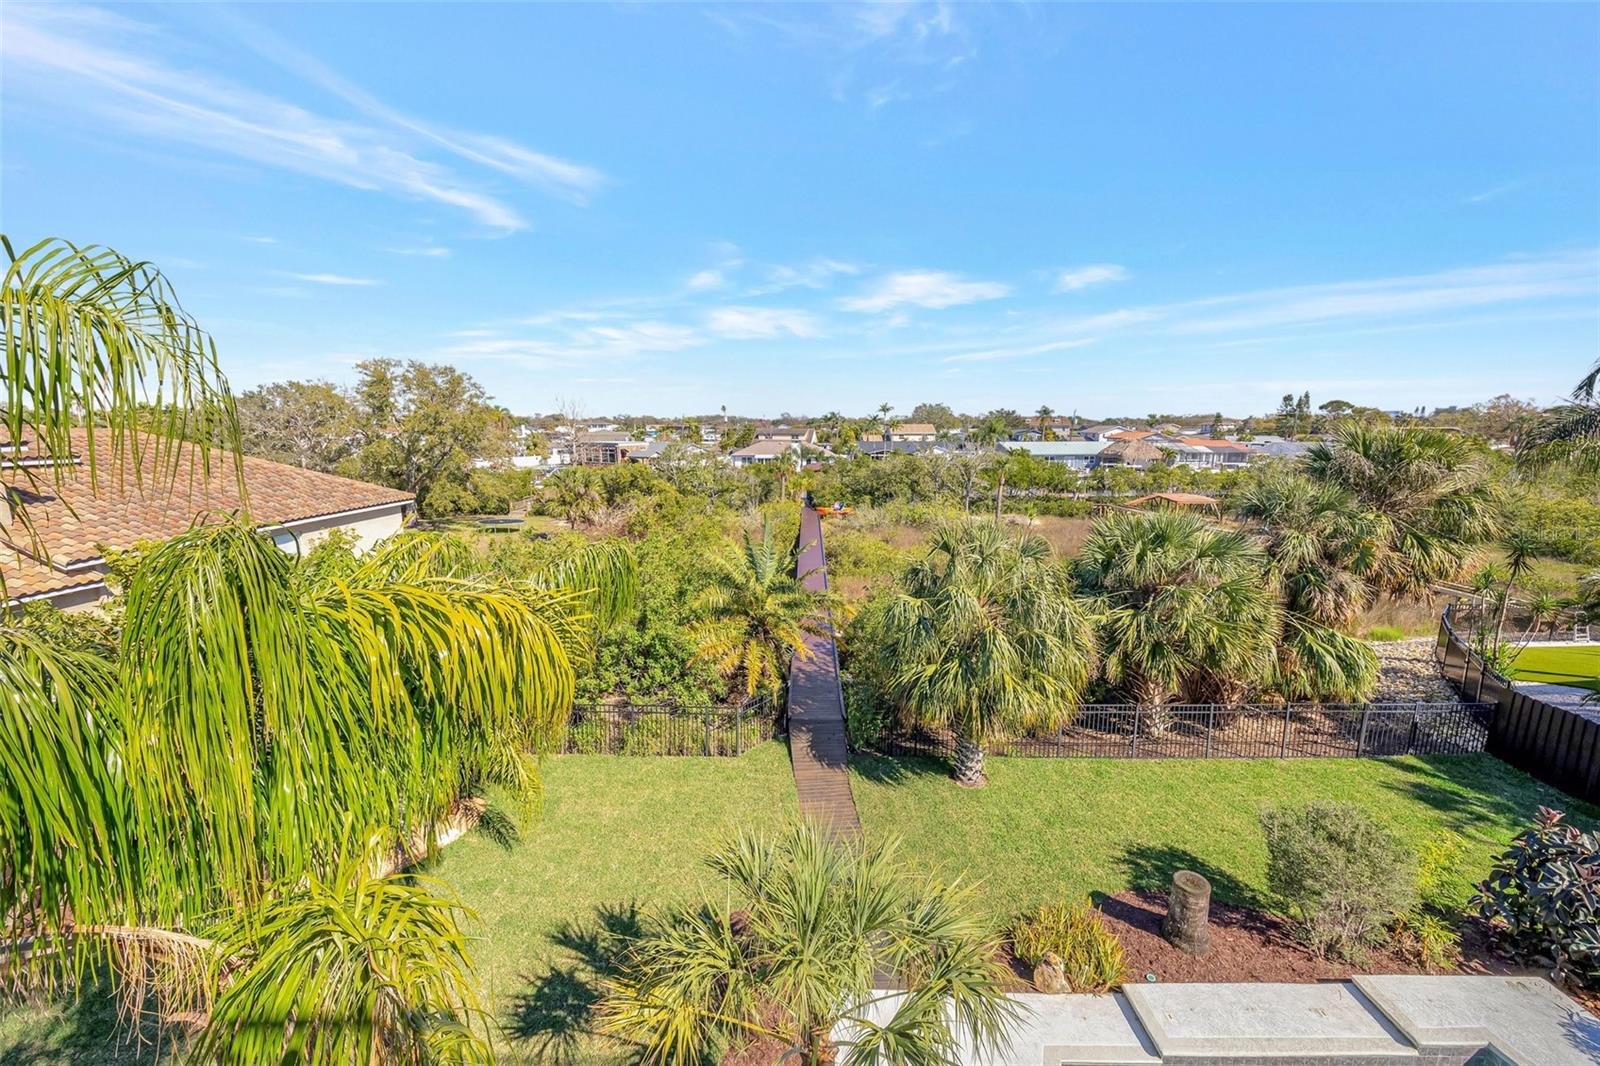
(369, 526)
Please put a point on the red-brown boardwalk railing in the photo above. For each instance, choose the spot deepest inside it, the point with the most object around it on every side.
(817, 747)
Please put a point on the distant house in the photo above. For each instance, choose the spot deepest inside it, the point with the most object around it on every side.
(767, 451)
(789, 435)
(877, 449)
(1228, 454)
(1278, 449)
(1080, 455)
(655, 448)
(1131, 434)
(601, 426)
(67, 566)
(1099, 432)
(604, 448)
(913, 431)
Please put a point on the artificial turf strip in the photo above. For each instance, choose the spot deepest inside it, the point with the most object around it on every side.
(1577, 665)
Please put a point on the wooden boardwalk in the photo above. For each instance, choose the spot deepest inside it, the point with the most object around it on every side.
(817, 745)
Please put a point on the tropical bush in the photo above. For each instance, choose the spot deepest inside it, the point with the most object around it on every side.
(1091, 957)
(1341, 875)
(1542, 898)
(1430, 933)
(789, 951)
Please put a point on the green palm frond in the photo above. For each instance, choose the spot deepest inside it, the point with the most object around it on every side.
(347, 971)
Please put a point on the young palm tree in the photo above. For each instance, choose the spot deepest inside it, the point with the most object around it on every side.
(1430, 488)
(1188, 608)
(791, 952)
(1043, 414)
(1567, 432)
(1522, 551)
(757, 614)
(1322, 546)
(984, 637)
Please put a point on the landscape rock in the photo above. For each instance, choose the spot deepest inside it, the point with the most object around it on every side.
(1050, 976)
(1408, 673)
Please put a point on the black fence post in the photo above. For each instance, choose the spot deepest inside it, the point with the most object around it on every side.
(1283, 748)
(738, 731)
(1361, 741)
(1211, 725)
(1137, 708)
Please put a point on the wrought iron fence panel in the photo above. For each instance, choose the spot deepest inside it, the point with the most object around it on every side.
(1219, 731)
(667, 729)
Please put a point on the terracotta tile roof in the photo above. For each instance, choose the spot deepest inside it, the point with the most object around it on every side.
(121, 510)
(1210, 442)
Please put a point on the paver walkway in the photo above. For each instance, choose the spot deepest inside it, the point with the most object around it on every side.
(817, 745)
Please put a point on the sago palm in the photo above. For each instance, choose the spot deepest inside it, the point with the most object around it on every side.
(1431, 488)
(1188, 607)
(792, 952)
(757, 613)
(983, 637)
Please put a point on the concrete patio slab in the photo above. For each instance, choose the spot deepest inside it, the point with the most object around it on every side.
(1220, 1025)
(1526, 1020)
(1075, 1031)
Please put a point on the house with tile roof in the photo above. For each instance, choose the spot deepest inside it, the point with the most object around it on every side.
(75, 518)
(767, 451)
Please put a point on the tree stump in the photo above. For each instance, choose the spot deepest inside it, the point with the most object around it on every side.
(1050, 976)
(1187, 926)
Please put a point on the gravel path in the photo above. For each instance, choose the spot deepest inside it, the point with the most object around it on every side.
(1407, 673)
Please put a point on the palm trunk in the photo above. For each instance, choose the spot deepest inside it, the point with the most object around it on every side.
(999, 493)
(969, 764)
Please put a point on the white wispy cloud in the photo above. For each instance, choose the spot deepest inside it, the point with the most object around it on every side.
(816, 273)
(923, 288)
(335, 279)
(431, 251)
(259, 240)
(748, 323)
(1021, 352)
(1447, 291)
(1075, 278)
(80, 62)
(701, 280)
(1492, 193)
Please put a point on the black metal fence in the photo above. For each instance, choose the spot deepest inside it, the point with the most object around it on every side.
(668, 729)
(1205, 731)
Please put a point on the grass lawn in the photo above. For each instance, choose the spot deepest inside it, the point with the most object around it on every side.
(1556, 665)
(1044, 827)
(613, 831)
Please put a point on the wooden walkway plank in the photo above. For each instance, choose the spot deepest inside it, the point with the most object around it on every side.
(817, 747)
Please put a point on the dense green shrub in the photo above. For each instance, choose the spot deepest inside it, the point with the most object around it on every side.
(1542, 898)
(1342, 876)
(866, 717)
(1561, 525)
(1091, 956)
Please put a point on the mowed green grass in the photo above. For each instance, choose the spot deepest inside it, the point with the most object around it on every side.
(1043, 828)
(1556, 665)
(613, 832)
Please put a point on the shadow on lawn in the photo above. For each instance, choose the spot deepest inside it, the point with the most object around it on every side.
(896, 770)
(1470, 790)
(553, 1016)
(1152, 867)
(85, 1029)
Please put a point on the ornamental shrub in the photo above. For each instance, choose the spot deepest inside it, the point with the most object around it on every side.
(1542, 898)
(1091, 956)
(1341, 875)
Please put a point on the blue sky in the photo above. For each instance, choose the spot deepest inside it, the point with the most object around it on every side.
(670, 208)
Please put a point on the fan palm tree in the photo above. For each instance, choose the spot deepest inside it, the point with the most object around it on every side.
(1567, 432)
(983, 637)
(1323, 547)
(1188, 609)
(1431, 488)
(790, 954)
(757, 614)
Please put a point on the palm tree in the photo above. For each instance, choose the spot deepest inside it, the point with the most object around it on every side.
(203, 816)
(1043, 413)
(1432, 490)
(1522, 551)
(984, 637)
(1569, 431)
(1188, 609)
(757, 614)
(1323, 547)
(577, 494)
(790, 951)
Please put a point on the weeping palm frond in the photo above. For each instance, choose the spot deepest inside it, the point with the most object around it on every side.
(607, 572)
(99, 341)
(347, 971)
